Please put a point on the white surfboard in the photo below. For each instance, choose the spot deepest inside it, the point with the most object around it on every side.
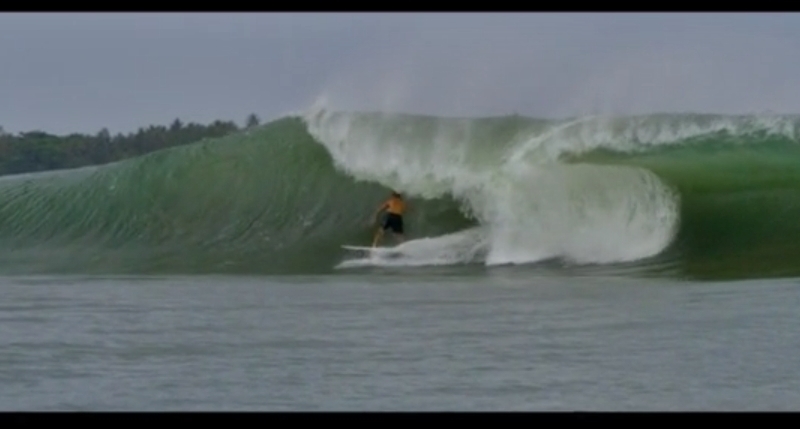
(373, 250)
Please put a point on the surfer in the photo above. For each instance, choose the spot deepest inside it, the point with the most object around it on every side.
(395, 207)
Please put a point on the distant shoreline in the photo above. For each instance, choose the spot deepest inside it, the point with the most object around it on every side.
(36, 151)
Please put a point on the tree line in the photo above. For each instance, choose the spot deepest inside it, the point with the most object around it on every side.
(39, 151)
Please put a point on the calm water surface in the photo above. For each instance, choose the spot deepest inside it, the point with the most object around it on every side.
(392, 342)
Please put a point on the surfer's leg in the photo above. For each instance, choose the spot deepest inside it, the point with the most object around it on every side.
(397, 229)
(378, 235)
(386, 224)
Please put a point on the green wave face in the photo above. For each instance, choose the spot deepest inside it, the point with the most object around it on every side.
(687, 195)
(269, 201)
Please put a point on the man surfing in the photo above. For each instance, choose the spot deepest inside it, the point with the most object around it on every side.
(395, 207)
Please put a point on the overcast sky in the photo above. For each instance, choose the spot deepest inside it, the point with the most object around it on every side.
(77, 72)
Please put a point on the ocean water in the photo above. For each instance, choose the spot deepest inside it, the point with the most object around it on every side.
(622, 263)
(493, 340)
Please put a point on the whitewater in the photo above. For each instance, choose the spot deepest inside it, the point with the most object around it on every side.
(529, 207)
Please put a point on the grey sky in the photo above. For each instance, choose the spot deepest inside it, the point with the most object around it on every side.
(76, 72)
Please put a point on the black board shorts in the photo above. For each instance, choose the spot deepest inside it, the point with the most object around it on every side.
(394, 222)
